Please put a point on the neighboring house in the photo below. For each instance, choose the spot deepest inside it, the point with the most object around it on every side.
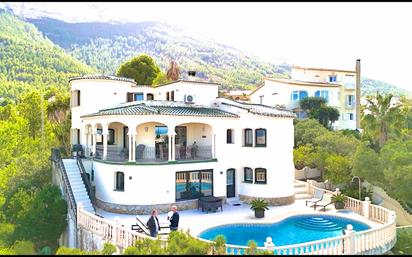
(340, 88)
(151, 147)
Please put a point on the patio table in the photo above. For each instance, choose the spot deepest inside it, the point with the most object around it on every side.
(210, 203)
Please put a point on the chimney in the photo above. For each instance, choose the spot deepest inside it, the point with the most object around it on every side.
(358, 93)
(191, 75)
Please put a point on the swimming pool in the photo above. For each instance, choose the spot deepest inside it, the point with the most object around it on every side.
(293, 230)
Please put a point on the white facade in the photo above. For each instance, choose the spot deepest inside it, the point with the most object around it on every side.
(337, 86)
(152, 175)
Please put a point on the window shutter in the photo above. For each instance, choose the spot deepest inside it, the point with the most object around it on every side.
(129, 97)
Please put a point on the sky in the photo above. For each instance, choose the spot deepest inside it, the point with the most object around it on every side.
(328, 35)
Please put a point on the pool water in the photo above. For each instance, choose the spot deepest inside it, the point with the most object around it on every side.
(292, 230)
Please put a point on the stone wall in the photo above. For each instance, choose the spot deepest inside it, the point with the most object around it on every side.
(146, 209)
(276, 201)
(307, 173)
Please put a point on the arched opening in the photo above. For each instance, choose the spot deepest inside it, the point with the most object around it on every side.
(117, 142)
(193, 141)
(150, 96)
(152, 142)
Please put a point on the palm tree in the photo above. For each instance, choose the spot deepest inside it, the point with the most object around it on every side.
(382, 118)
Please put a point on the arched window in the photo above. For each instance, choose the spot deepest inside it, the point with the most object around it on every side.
(119, 183)
(150, 96)
(323, 93)
(260, 176)
(229, 136)
(248, 137)
(248, 175)
(260, 137)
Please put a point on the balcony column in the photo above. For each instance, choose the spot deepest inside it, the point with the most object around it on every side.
(94, 138)
(134, 137)
(105, 134)
(213, 146)
(86, 143)
(173, 145)
(130, 138)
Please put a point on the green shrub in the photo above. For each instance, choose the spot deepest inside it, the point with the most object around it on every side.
(252, 246)
(220, 247)
(108, 249)
(24, 248)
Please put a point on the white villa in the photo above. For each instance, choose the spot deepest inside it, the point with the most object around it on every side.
(340, 88)
(157, 146)
(180, 143)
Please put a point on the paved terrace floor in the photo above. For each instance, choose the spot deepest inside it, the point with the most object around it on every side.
(197, 221)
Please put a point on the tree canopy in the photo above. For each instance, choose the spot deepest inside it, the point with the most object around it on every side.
(142, 69)
(318, 109)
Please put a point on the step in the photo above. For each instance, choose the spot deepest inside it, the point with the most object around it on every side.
(300, 190)
(303, 196)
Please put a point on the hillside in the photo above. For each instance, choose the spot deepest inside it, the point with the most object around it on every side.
(105, 46)
(29, 60)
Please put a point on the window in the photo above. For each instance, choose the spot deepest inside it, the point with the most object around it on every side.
(194, 184)
(248, 175)
(323, 93)
(248, 137)
(261, 99)
(110, 137)
(229, 136)
(129, 97)
(260, 137)
(119, 183)
(298, 95)
(92, 175)
(172, 96)
(350, 115)
(149, 97)
(75, 98)
(138, 97)
(350, 100)
(332, 78)
(260, 176)
(167, 96)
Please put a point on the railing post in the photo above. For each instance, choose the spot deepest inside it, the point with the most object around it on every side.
(337, 191)
(365, 205)
(349, 245)
(269, 245)
(309, 183)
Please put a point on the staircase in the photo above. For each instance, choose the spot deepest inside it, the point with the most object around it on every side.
(300, 190)
(77, 185)
(318, 223)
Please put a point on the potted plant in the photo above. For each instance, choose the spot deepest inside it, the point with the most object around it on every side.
(259, 206)
(339, 201)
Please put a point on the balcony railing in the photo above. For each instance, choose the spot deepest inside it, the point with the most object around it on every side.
(198, 152)
(160, 153)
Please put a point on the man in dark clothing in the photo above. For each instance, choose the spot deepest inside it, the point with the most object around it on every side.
(153, 224)
(174, 220)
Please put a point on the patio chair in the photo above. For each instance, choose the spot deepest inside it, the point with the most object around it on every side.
(326, 200)
(139, 151)
(142, 228)
(316, 198)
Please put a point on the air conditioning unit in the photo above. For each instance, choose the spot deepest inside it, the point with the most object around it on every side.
(189, 99)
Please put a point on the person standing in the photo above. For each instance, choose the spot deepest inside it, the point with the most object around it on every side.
(174, 220)
(153, 224)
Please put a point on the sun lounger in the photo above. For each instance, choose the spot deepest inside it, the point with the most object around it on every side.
(316, 198)
(326, 200)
